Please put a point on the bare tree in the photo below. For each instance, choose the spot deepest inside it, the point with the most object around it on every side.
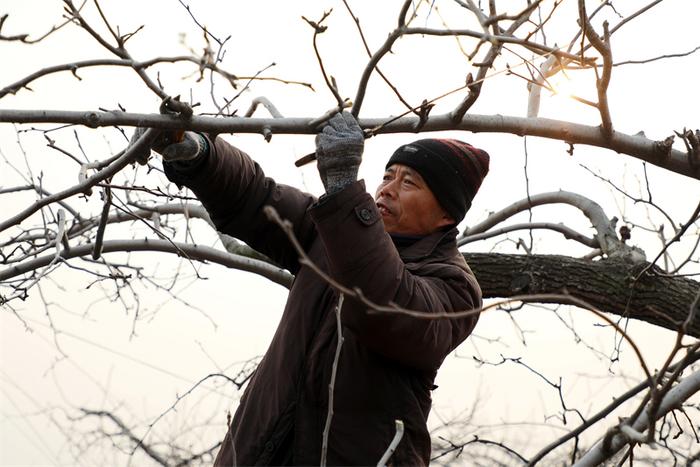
(620, 264)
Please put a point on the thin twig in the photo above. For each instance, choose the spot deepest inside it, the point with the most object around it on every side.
(119, 50)
(202, 27)
(369, 53)
(73, 67)
(561, 228)
(599, 453)
(330, 81)
(617, 402)
(238, 384)
(660, 57)
(125, 431)
(331, 384)
(125, 157)
(677, 237)
(24, 38)
(392, 446)
(602, 82)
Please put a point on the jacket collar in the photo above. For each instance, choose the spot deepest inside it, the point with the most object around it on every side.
(427, 245)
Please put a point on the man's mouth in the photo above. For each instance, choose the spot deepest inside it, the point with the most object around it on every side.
(383, 210)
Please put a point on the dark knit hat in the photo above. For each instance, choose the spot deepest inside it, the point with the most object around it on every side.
(452, 169)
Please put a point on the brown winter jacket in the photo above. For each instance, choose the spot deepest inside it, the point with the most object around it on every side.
(388, 362)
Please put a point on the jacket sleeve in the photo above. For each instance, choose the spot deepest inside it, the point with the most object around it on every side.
(362, 255)
(233, 189)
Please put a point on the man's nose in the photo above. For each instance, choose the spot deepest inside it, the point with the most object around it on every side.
(388, 189)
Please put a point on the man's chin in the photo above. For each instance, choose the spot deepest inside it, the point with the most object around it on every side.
(388, 221)
(390, 228)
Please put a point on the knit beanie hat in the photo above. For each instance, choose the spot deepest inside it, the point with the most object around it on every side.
(452, 169)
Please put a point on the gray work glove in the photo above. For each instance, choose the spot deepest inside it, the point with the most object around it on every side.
(173, 145)
(339, 152)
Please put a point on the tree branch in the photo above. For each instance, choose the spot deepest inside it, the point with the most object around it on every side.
(369, 52)
(607, 284)
(603, 47)
(124, 159)
(496, 46)
(672, 400)
(659, 153)
(606, 236)
(561, 228)
(330, 81)
(193, 252)
(619, 400)
(125, 431)
(136, 65)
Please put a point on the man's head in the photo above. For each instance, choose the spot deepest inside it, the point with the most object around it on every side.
(429, 184)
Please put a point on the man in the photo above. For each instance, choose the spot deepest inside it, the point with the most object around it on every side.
(400, 249)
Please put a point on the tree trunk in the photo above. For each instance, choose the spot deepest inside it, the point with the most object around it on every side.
(609, 285)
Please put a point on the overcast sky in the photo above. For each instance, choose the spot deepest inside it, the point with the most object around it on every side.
(222, 321)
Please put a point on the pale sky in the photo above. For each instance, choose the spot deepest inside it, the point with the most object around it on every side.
(235, 314)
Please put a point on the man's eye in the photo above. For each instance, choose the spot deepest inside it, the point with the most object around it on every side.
(408, 182)
(387, 178)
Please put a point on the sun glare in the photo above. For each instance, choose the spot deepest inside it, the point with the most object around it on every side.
(566, 86)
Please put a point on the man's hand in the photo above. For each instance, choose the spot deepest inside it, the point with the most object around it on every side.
(339, 152)
(173, 145)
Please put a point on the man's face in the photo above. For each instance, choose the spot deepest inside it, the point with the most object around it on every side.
(407, 205)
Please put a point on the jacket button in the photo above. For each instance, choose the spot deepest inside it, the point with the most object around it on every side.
(365, 215)
(269, 446)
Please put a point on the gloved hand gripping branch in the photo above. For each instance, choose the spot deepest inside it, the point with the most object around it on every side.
(339, 149)
(173, 145)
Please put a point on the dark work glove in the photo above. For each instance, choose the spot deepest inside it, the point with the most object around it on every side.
(339, 152)
(172, 145)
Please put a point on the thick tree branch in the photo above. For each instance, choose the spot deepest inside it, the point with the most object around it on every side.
(659, 153)
(608, 285)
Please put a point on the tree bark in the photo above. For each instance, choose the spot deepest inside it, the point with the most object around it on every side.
(608, 284)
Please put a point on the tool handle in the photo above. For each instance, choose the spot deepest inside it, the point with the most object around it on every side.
(306, 159)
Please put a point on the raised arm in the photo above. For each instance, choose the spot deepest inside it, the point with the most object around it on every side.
(234, 189)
